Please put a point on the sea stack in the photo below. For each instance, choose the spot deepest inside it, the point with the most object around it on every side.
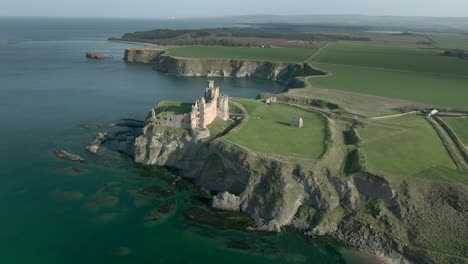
(96, 56)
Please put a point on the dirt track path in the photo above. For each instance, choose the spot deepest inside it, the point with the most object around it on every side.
(390, 116)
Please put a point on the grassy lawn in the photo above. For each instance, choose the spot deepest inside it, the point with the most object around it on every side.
(445, 174)
(425, 88)
(268, 130)
(219, 126)
(404, 145)
(292, 55)
(171, 107)
(460, 126)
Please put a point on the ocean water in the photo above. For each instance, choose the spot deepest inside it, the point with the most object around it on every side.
(56, 211)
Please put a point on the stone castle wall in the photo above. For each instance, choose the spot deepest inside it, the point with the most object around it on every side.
(171, 120)
(209, 113)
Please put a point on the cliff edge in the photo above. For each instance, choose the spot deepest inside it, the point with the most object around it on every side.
(286, 73)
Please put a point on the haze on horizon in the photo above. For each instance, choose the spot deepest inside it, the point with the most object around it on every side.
(210, 8)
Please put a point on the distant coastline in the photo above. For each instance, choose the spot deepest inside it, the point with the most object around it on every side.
(134, 42)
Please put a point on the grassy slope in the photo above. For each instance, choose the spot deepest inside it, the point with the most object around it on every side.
(219, 126)
(399, 72)
(272, 133)
(291, 55)
(460, 126)
(404, 145)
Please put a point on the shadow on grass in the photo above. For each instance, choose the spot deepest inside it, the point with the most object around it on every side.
(283, 123)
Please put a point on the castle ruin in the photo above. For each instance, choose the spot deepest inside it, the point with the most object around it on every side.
(213, 104)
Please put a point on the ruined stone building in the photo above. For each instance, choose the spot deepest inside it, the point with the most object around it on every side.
(213, 104)
(297, 122)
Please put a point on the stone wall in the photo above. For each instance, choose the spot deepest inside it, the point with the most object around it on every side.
(171, 120)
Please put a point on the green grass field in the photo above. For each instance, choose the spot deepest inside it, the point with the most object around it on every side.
(460, 126)
(450, 41)
(176, 108)
(409, 73)
(445, 174)
(268, 130)
(425, 88)
(400, 58)
(219, 126)
(404, 145)
(291, 55)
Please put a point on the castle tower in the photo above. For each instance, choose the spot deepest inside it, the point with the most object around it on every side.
(194, 116)
(223, 107)
(202, 110)
(210, 83)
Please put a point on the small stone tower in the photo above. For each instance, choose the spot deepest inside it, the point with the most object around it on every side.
(297, 122)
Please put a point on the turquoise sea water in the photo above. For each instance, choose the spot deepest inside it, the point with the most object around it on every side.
(50, 212)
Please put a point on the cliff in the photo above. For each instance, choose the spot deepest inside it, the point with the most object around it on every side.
(311, 196)
(141, 55)
(367, 211)
(285, 73)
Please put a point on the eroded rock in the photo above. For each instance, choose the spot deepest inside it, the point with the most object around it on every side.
(96, 56)
(63, 154)
(226, 201)
(95, 145)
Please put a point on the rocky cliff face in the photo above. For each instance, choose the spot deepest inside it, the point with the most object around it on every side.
(286, 73)
(141, 55)
(312, 197)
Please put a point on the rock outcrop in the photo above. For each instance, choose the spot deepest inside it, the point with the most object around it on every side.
(63, 154)
(95, 145)
(96, 56)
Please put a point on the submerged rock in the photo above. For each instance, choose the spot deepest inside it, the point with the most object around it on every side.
(129, 122)
(101, 202)
(63, 154)
(68, 195)
(160, 214)
(70, 170)
(121, 251)
(96, 56)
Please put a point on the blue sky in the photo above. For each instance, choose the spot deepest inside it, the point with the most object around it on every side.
(202, 8)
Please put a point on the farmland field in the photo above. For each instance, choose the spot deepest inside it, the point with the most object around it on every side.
(425, 88)
(398, 58)
(403, 145)
(268, 130)
(410, 73)
(460, 126)
(292, 55)
(450, 41)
